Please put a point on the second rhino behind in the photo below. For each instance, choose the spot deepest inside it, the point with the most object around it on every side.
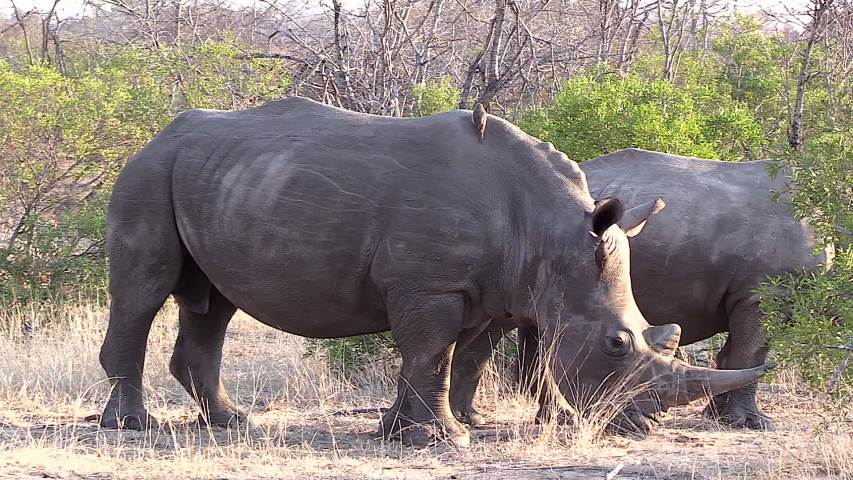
(699, 260)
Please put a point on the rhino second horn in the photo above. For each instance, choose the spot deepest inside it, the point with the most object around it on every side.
(664, 338)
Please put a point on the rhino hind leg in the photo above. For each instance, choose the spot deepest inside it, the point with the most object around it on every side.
(746, 347)
(197, 357)
(425, 328)
(122, 357)
(527, 368)
(154, 267)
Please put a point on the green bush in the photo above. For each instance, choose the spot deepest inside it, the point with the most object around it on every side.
(598, 114)
(64, 140)
(806, 313)
(347, 356)
(434, 96)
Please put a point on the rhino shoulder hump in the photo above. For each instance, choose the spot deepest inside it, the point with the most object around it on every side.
(560, 161)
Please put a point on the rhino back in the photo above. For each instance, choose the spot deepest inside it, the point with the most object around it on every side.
(719, 235)
(296, 209)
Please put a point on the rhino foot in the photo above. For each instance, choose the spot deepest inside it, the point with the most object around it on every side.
(472, 418)
(224, 419)
(738, 415)
(136, 421)
(560, 414)
(423, 434)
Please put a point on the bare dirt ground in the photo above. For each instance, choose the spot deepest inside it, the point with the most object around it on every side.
(50, 381)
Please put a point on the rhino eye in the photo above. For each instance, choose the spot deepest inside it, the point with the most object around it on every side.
(618, 344)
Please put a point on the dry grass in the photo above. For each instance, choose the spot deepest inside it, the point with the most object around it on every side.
(50, 380)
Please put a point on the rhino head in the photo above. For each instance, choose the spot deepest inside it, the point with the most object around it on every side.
(600, 342)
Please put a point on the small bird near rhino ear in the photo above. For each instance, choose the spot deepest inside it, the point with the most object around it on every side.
(480, 116)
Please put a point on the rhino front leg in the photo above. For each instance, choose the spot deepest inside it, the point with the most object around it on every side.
(469, 363)
(425, 328)
(746, 347)
(197, 359)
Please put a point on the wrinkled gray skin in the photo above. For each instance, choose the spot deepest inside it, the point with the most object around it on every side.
(327, 223)
(699, 260)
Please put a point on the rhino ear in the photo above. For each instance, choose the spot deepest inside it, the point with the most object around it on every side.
(608, 211)
(635, 218)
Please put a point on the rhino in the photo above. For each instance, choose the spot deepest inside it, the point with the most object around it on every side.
(698, 262)
(327, 223)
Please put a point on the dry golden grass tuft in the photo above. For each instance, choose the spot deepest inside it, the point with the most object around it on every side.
(50, 381)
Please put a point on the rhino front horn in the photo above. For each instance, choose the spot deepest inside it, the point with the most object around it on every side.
(689, 383)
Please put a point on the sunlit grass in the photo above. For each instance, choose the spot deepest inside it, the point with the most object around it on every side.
(50, 381)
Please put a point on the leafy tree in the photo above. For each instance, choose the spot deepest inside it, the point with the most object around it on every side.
(806, 313)
(753, 65)
(219, 74)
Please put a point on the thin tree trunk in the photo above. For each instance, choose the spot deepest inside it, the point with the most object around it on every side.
(818, 13)
(341, 77)
(20, 21)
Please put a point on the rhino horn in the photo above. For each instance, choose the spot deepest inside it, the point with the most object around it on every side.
(664, 338)
(635, 218)
(685, 383)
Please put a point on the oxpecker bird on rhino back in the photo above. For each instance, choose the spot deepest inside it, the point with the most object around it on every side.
(699, 261)
(327, 223)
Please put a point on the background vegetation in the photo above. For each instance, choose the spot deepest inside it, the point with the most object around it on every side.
(80, 95)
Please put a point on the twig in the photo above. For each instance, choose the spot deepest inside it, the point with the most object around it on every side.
(356, 411)
(21, 19)
(837, 375)
(612, 474)
(282, 56)
(580, 468)
(842, 229)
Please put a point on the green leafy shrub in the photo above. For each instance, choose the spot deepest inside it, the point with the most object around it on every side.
(434, 96)
(64, 140)
(347, 356)
(806, 313)
(218, 74)
(598, 114)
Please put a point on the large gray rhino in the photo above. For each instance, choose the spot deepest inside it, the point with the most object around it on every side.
(698, 262)
(327, 223)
